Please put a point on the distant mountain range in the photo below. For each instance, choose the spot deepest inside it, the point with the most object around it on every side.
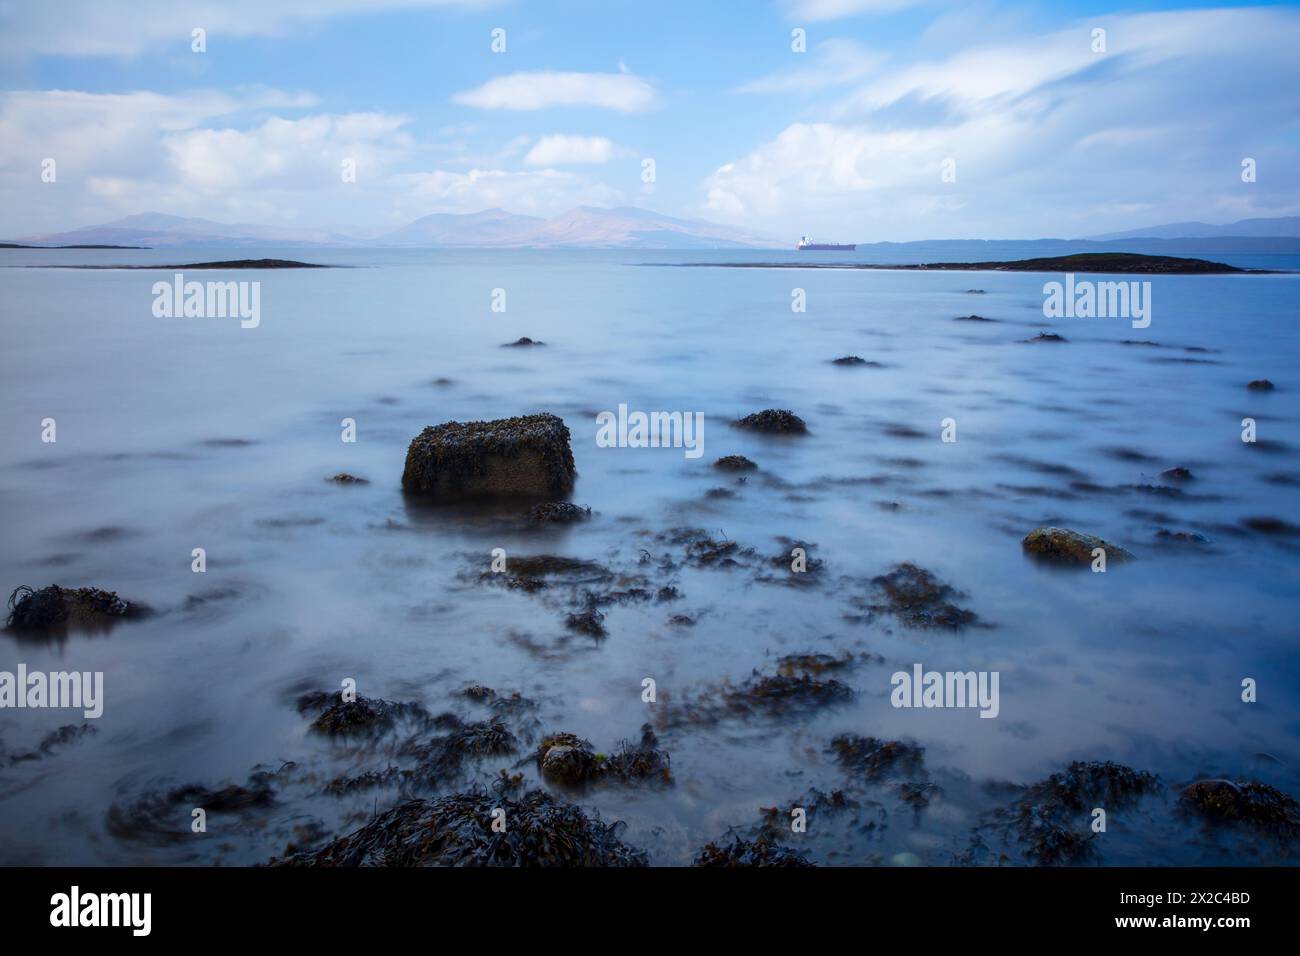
(586, 227)
(1277, 227)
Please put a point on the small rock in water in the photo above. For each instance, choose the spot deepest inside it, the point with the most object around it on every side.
(1250, 803)
(1176, 474)
(343, 478)
(522, 342)
(558, 512)
(972, 318)
(773, 421)
(1070, 547)
(526, 455)
(1048, 337)
(589, 621)
(1260, 385)
(854, 360)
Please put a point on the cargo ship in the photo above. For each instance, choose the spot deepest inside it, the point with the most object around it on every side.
(806, 244)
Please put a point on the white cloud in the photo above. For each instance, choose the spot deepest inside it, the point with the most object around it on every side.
(562, 150)
(198, 153)
(535, 91)
(1154, 129)
(97, 28)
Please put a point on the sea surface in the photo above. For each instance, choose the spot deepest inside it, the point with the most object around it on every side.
(175, 434)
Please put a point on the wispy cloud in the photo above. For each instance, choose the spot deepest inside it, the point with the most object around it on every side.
(835, 62)
(816, 10)
(1166, 113)
(98, 28)
(563, 150)
(537, 91)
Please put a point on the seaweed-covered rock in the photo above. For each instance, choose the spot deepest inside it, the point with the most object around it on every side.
(569, 759)
(735, 463)
(558, 512)
(763, 851)
(1260, 385)
(920, 600)
(1249, 803)
(777, 421)
(526, 455)
(52, 608)
(337, 717)
(566, 758)
(1069, 547)
(457, 830)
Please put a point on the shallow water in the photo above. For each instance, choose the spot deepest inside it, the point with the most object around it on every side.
(175, 434)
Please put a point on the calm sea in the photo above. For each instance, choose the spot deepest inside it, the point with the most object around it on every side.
(176, 434)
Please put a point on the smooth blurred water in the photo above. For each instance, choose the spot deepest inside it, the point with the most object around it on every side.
(182, 433)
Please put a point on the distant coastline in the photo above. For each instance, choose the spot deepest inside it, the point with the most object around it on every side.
(1094, 262)
(227, 264)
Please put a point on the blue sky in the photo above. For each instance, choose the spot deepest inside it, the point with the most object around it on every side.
(1046, 135)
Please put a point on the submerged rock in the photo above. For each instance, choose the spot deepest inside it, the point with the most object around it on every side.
(522, 342)
(972, 318)
(1260, 385)
(558, 512)
(735, 463)
(773, 421)
(1069, 547)
(1048, 337)
(1176, 474)
(343, 478)
(525, 455)
(763, 851)
(54, 607)
(851, 360)
(457, 830)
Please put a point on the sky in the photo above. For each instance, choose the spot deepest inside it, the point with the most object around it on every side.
(898, 120)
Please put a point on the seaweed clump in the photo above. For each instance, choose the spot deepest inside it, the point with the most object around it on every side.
(778, 421)
(763, 851)
(875, 758)
(52, 608)
(149, 819)
(1249, 803)
(458, 830)
(1050, 818)
(920, 600)
(337, 717)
